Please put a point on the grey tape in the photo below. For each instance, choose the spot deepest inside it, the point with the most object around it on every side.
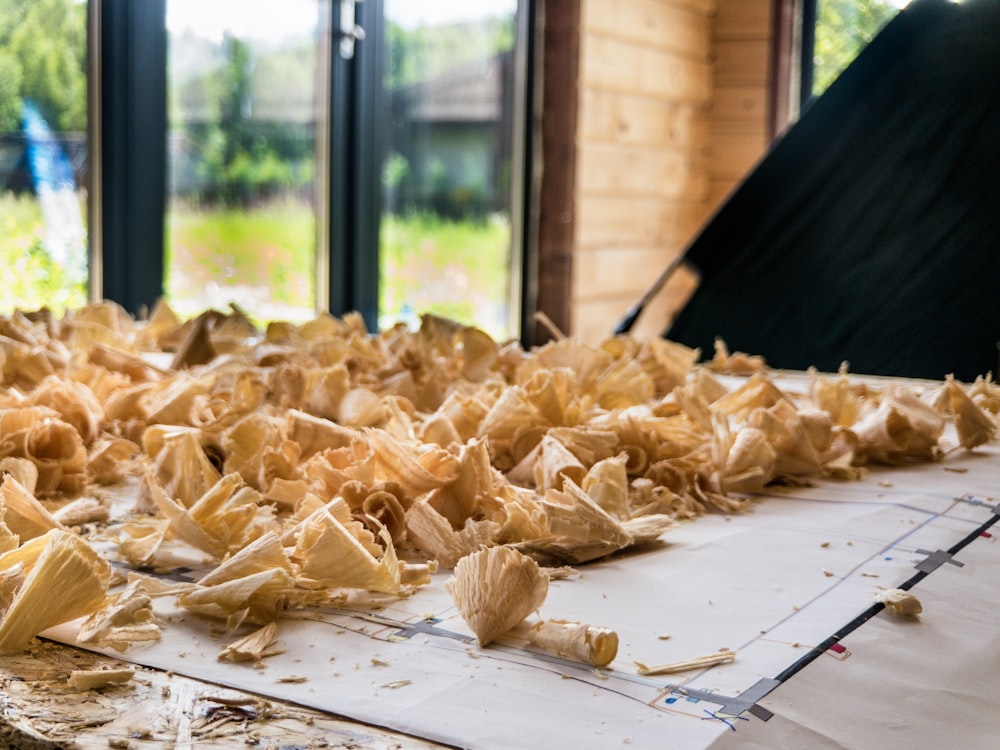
(734, 706)
(935, 560)
(746, 701)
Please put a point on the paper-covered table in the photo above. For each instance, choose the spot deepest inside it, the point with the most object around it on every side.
(788, 585)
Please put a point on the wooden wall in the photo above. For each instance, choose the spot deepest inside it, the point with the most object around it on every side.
(672, 108)
(739, 117)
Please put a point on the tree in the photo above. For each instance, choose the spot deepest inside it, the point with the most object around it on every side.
(843, 29)
(418, 54)
(43, 48)
(10, 93)
(242, 157)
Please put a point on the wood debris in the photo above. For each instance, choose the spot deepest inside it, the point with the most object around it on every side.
(900, 602)
(495, 589)
(686, 665)
(253, 646)
(96, 679)
(126, 618)
(593, 645)
(65, 579)
(307, 460)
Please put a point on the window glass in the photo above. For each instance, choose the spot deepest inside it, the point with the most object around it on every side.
(246, 100)
(43, 154)
(446, 232)
(843, 29)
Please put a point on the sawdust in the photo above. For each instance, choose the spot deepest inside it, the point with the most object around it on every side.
(156, 709)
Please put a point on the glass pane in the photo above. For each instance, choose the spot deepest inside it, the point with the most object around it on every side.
(843, 29)
(445, 238)
(245, 84)
(43, 154)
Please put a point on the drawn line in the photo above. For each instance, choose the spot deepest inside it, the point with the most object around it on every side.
(877, 607)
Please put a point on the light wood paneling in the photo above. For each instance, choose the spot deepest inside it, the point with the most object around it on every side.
(734, 153)
(615, 117)
(641, 171)
(742, 62)
(742, 104)
(739, 127)
(653, 23)
(620, 65)
(616, 221)
(705, 7)
(742, 18)
(673, 109)
(596, 317)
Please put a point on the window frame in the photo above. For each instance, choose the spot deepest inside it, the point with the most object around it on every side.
(127, 120)
(127, 110)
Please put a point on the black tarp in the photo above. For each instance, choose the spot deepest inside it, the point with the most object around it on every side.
(871, 231)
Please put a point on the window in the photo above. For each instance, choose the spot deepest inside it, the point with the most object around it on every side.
(281, 155)
(43, 154)
(247, 87)
(834, 32)
(447, 231)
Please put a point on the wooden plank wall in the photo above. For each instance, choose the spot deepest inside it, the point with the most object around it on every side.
(668, 119)
(739, 118)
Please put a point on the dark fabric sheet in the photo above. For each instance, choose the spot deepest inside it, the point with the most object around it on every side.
(871, 232)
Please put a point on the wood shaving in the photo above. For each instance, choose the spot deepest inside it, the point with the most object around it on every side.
(900, 602)
(495, 589)
(251, 647)
(396, 684)
(308, 460)
(99, 678)
(686, 665)
(593, 645)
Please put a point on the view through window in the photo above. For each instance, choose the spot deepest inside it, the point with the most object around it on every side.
(246, 99)
(446, 231)
(43, 154)
(843, 29)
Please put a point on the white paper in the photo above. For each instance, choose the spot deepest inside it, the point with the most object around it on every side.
(768, 583)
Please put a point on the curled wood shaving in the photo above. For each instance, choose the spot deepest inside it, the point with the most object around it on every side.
(594, 645)
(127, 618)
(251, 647)
(899, 602)
(495, 589)
(311, 459)
(66, 579)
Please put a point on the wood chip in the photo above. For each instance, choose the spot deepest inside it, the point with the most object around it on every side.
(700, 662)
(95, 679)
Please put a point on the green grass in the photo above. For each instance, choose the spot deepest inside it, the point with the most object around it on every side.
(264, 260)
(459, 269)
(454, 268)
(32, 280)
(262, 256)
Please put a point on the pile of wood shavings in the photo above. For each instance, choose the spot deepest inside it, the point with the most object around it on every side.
(303, 461)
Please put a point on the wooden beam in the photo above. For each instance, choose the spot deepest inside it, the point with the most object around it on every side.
(556, 218)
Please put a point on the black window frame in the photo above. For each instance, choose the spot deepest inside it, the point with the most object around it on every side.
(128, 128)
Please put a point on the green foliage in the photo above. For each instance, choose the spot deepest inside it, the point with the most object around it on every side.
(459, 269)
(242, 160)
(455, 268)
(32, 280)
(269, 247)
(843, 29)
(394, 170)
(415, 55)
(47, 42)
(10, 93)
